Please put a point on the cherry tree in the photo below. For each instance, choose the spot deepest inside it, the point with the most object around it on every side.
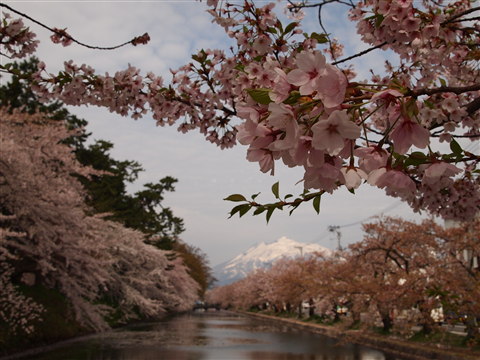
(48, 237)
(398, 275)
(398, 261)
(295, 100)
(459, 275)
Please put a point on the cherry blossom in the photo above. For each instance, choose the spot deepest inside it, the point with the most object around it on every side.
(330, 134)
(278, 95)
(310, 66)
(409, 133)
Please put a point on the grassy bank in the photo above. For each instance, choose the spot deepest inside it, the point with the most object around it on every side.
(441, 346)
(57, 322)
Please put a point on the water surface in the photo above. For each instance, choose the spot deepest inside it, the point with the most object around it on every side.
(210, 335)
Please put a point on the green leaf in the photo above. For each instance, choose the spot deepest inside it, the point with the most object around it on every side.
(456, 148)
(235, 197)
(290, 27)
(292, 98)
(316, 203)
(279, 25)
(271, 30)
(245, 208)
(259, 210)
(235, 210)
(443, 82)
(254, 196)
(416, 158)
(293, 209)
(275, 190)
(240, 67)
(378, 20)
(429, 104)
(260, 95)
(321, 38)
(270, 211)
(241, 209)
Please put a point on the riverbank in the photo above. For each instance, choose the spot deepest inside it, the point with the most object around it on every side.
(395, 346)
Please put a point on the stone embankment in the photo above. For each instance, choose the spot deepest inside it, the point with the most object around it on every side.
(393, 346)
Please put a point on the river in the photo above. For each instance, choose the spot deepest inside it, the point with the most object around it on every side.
(209, 335)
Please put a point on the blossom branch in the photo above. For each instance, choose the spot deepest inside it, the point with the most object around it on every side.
(473, 106)
(459, 15)
(445, 89)
(467, 19)
(62, 34)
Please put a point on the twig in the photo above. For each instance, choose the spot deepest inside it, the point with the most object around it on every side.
(62, 33)
(468, 11)
(360, 53)
(444, 89)
(467, 19)
(473, 106)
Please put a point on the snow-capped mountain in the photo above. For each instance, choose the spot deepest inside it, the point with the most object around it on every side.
(263, 255)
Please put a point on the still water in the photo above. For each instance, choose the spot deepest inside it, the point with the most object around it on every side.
(210, 335)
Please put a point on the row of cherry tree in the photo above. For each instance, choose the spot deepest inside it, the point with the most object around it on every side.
(50, 234)
(398, 275)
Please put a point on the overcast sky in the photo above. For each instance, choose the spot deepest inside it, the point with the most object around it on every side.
(206, 174)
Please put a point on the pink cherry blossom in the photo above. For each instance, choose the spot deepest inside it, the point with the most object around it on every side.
(250, 130)
(409, 133)
(331, 86)
(386, 96)
(331, 133)
(437, 170)
(393, 181)
(324, 177)
(281, 87)
(353, 177)
(310, 65)
(371, 158)
(282, 118)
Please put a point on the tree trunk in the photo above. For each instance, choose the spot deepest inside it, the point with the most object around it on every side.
(386, 318)
(427, 321)
(311, 308)
(472, 327)
(355, 317)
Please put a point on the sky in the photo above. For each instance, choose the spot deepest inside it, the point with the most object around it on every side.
(206, 174)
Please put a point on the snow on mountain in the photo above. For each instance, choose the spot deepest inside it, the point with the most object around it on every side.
(263, 255)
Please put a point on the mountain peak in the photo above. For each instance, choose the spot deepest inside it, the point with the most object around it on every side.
(284, 239)
(263, 255)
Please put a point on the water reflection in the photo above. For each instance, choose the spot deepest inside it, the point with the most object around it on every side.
(219, 336)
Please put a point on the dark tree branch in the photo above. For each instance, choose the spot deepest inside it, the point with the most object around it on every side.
(135, 41)
(468, 11)
(360, 53)
(445, 89)
(473, 106)
(467, 19)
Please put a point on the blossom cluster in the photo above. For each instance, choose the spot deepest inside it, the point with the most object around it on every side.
(16, 40)
(279, 96)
